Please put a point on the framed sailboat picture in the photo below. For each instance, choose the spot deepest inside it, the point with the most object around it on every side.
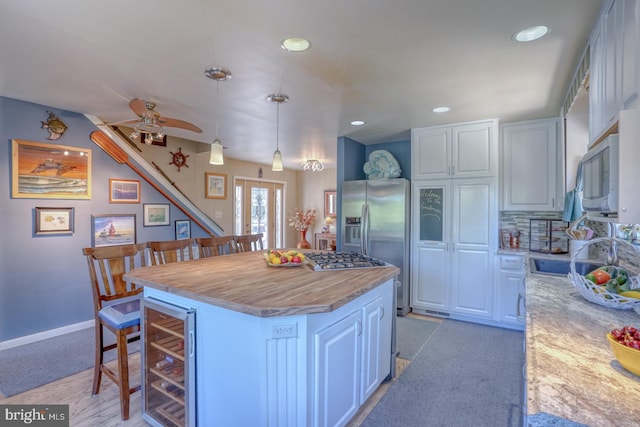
(48, 171)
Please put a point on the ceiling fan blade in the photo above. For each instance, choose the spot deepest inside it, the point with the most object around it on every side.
(175, 123)
(138, 106)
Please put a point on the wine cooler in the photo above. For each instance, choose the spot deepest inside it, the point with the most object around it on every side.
(168, 364)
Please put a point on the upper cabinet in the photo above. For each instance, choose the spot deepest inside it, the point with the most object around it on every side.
(531, 164)
(613, 55)
(464, 150)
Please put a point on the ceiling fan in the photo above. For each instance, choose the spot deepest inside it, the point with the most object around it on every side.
(151, 123)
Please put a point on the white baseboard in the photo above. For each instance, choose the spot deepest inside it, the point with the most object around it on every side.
(28, 339)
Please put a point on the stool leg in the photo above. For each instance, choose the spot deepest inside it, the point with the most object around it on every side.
(99, 358)
(123, 374)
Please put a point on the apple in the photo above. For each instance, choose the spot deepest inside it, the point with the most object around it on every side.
(296, 259)
(284, 259)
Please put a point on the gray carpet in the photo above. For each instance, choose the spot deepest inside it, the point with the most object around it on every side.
(32, 365)
(465, 375)
(412, 333)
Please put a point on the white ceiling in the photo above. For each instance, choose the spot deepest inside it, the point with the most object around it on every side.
(385, 62)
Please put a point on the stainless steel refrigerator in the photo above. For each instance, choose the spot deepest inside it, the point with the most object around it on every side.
(375, 222)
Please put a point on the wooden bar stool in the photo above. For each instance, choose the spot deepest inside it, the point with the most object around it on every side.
(171, 251)
(116, 306)
(214, 246)
(249, 242)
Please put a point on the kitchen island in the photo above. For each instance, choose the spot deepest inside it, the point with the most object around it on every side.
(280, 345)
(572, 376)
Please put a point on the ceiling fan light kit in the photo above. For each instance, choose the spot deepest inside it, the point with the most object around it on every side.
(277, 155)
(218, 74)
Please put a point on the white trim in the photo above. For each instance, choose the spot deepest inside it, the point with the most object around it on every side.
(28, 339)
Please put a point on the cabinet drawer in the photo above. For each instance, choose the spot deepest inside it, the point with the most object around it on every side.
(512, 263)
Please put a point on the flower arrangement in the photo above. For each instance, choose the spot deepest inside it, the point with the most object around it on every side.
(303, 219)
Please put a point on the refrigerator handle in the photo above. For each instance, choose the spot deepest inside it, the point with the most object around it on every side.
(363, 222)
(366, 229)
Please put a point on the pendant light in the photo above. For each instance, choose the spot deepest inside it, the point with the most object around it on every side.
(219, 75)
(277, 155)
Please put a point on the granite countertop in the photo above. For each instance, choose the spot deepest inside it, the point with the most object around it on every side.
(572, 375)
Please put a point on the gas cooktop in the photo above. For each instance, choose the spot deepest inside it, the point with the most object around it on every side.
(322, 261)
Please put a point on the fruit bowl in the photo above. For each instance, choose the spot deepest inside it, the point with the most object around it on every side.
(628, 357)
(284, 258)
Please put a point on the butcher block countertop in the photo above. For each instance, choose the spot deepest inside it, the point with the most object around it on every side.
(572, 375)
(245, 283)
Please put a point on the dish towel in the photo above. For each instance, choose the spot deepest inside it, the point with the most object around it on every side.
(573, 199)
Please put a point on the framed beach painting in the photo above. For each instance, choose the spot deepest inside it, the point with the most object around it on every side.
(215, 185)
(54, 220)
(48, 171)
(156, 214)
(124, 191)
(113, 229)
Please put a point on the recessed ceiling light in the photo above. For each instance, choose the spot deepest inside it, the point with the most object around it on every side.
(295, 44)
(441, 109)
(357, 123)
(531, 33)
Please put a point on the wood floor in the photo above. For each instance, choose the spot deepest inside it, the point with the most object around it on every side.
(103, 409)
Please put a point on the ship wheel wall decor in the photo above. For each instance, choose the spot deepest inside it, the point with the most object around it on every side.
(179, 159)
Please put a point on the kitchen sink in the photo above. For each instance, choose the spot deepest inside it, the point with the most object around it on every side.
(560, 267)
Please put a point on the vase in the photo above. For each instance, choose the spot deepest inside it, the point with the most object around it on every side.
(303, 244)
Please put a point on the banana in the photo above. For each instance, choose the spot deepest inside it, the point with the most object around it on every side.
(631, 294)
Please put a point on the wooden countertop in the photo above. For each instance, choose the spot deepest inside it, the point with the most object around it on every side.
(245, 283)
(572, 373)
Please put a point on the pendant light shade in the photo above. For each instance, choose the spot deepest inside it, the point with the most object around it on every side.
(277, 161)
(277, 155)
(216, 157)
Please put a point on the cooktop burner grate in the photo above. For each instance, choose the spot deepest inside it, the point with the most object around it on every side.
(341, 260)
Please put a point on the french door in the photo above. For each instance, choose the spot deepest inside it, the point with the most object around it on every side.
(259, 208)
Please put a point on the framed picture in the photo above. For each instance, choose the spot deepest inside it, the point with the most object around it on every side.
(124, 191)
(54, 220)
(330, 209)
(183, 229)
(162, 142)
(215, 185)
(156, 214)
(48, 171)
(113, 229)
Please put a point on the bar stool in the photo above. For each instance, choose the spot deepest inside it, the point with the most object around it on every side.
(116, 306)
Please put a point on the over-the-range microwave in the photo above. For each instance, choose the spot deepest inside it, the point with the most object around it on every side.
(600, 174)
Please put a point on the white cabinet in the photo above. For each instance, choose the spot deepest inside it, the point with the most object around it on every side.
(532, 167)
(454, 151)
(511, 290)
(351, 360)
(613, 65)
(454, 233)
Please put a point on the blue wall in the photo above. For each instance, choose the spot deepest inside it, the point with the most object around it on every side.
(352, 156)
(44, 281)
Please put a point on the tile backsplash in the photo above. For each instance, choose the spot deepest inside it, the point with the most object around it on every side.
(628, 254)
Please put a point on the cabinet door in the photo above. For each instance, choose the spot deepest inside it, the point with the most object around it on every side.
(474, 231)
(431, 153)
(611, 82)
(627, 52)
(474, 150)
(376, 344)
(596, 82)
(530, 165)
(337, 373)
(430, 267)
(511, 286)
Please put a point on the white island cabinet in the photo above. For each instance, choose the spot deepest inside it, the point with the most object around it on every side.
(281, 346)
